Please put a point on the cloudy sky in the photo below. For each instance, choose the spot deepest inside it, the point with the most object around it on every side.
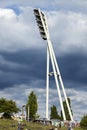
(23, 52)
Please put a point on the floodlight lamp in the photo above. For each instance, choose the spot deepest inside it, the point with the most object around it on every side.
(41, 22)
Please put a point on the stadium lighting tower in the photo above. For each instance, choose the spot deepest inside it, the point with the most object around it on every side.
(43, 28)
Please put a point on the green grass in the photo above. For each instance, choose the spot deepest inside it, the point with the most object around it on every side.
(8, 124)
(13, 125)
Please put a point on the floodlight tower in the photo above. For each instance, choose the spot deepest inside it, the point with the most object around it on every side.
(43, 28)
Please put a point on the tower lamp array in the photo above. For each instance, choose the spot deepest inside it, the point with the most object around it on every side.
(43, 28)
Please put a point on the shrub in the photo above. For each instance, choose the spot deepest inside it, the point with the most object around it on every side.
(83, 122)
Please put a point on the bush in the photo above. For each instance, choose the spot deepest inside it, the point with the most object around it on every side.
(83, 122)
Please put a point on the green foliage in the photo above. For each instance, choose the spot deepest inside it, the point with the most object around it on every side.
(33, 106)
(66, 109)
(83, 122)
(7, 107)
(54, 113)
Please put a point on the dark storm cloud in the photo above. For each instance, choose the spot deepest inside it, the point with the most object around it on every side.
(74, 68)
(30, 65)
(23, 67)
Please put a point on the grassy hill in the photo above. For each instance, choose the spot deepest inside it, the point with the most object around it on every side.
(13, 125)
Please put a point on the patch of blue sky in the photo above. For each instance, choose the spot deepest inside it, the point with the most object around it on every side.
(16, 9)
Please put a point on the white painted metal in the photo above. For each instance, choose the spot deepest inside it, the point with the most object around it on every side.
(47, 85)
(56, 71)
(56, 80)
(61, 82)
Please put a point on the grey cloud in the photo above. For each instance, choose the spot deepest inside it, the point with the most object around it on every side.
(65, 5)
(18, 32)
(30, 65)
(21, 32)
(22, 67)
(70, 32)
(75, 6)
(73, 68)
(42, 4)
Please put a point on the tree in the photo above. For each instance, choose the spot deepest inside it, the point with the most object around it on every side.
(32, 104)
(83, 122)
(8, 107)
(66, 109)
(54, 113)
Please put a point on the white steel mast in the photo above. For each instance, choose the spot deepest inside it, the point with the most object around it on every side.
(43, 28)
